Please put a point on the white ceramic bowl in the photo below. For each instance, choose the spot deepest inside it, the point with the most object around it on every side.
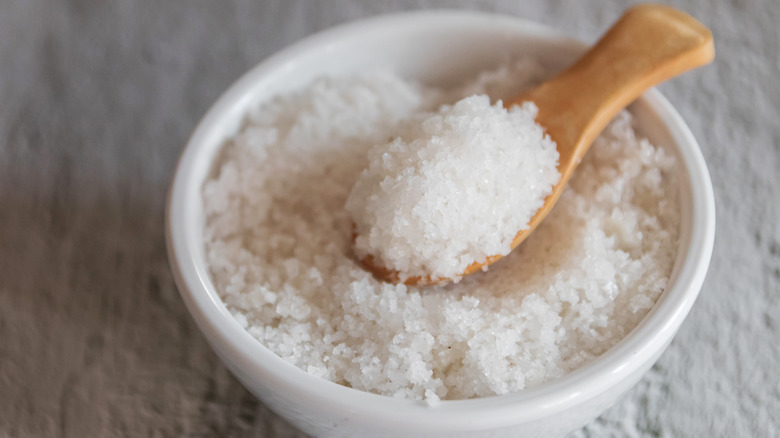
(434, 47)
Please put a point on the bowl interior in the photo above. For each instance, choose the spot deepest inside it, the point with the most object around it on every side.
(441, 48)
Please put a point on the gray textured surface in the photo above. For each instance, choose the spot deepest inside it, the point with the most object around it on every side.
(98, 98)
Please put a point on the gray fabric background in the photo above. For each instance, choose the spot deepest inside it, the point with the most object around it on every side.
(97, 99)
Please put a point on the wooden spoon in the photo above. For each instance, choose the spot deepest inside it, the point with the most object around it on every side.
(648, 45)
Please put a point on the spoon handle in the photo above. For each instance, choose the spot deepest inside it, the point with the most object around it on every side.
(648, 45)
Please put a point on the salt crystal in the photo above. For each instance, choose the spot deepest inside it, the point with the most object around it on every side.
(277, 240)
(435, 200)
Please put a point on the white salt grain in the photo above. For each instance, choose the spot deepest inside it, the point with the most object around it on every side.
(278, 243)
(452, 189)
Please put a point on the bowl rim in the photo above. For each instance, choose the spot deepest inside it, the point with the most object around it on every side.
(246, 353)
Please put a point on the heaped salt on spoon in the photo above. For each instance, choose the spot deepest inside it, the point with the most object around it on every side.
(429, 209)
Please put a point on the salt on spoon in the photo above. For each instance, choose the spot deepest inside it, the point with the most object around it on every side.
(646, 46)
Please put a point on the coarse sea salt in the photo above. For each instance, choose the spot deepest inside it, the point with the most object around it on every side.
(453, 189)
(278, 244)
